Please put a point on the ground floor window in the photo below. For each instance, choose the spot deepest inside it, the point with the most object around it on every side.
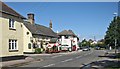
(12, 44)
(29, 46)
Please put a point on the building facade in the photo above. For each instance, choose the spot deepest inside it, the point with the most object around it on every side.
(67, 37)
(21, 35)
(35, 35)
(11, 24)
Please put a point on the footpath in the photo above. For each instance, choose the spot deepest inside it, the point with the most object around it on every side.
(16, 62)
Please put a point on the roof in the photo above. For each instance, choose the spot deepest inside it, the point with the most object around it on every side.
(67, 32)
(37, 29)
(7, 10)
(53, 40)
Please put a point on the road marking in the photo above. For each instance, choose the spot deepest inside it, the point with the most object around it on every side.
(79, 56)
(67, 60)
(49, 65)
(56, 56)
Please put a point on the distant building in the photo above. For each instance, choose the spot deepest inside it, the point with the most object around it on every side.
(94, 42)
(67, 37)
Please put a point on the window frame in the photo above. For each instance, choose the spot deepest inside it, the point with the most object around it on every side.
(29, 46)
(13, 45)
(11, 23)
(66, 37)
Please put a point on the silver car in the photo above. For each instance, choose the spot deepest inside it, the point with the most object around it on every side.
(86, 49)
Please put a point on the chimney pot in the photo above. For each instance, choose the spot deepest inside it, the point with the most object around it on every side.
(31, 18)
(50, 25)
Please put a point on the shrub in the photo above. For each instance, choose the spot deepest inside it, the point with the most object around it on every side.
(38, 50)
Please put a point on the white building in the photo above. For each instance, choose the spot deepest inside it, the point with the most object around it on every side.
(67, 37)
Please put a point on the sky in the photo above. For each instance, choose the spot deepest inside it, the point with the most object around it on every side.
(86, 19)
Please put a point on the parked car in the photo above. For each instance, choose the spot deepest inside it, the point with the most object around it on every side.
(86, 49)
(65, 48)
(97, 48)
(53, 46)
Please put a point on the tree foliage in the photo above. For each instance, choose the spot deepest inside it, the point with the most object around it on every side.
(113, 32)
(85, 43)
(101, 43)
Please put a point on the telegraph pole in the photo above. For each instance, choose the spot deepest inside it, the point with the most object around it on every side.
(94, 38)
(115, 32)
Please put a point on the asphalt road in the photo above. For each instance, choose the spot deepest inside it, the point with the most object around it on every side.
(75, 59)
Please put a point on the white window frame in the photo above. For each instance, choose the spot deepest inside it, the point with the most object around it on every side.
(13, 44)
(12, 23)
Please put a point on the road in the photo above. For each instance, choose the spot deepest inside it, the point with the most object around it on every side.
(75, 59)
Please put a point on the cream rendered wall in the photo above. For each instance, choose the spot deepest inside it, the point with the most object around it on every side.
(11, 34)
(0, 37)
(26, 40)
(38, 42)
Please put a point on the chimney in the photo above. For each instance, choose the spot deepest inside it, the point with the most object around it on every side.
(50, 25)
(31, 18)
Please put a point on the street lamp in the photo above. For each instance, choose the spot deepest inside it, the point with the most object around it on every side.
(115, 32)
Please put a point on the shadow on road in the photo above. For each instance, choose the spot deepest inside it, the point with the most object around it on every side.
(104, 64)
(112, 62)
(111, 55)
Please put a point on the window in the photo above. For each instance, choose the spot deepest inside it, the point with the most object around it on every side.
(66, 37)
(11, 23)
(12, 44)
(27, 33)
(29, 46)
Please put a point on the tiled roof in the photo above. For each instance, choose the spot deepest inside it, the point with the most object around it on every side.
(67, 32)
(7, 10)
(53, 40)
(40, 30)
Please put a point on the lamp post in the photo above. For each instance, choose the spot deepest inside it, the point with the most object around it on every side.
(115, 32)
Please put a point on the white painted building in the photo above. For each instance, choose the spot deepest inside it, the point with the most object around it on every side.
(67, 37)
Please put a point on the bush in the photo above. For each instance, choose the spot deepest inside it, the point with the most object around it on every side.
(38, 50)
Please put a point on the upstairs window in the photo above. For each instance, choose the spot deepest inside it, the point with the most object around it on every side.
(11, 23)
(66, 37)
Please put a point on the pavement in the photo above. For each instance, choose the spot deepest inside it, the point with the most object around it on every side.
(16, 62)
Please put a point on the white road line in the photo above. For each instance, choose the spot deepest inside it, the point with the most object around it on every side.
(79, 57)
(56, 56)
(49, 65)
(63, 61)
(67, 60)
(88, 53)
